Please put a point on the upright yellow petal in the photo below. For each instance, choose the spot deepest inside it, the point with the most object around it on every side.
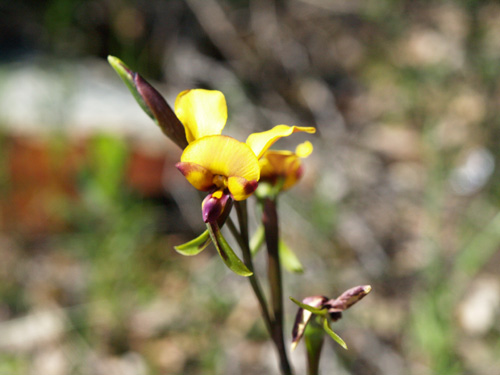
(223, 155)
(260, 142)
(303, 150)
(202, 112)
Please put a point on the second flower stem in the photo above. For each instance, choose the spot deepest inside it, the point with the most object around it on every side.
(274, 323)
(271, 227)
(243, 241)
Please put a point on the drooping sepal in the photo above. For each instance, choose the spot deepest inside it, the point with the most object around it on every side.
(333, 335)
(194, 246)
(152, 102)
(226, 253)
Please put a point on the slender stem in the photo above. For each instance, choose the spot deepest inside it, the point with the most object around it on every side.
(314, 343)
(270, 221)
(254, 282)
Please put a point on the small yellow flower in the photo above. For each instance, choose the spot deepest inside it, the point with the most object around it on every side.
(218, 163)
(285, 166)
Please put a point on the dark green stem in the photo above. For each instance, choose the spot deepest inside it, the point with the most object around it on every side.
(242, 239)
(270, 221)
(313, 338)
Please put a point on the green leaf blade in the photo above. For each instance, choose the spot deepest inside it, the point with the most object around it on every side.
(226, 253)
(333, 335)
(314, 310)
(288, 259)
(194, 246)
(257, 240)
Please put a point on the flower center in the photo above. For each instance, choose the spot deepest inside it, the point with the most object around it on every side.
(220, 181)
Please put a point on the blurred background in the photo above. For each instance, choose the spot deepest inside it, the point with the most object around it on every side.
(401, 192)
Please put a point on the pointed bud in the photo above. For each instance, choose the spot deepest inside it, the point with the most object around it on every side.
(213, 206)
(152, 102)
(347, 299)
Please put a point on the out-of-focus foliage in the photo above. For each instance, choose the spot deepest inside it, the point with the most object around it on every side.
(401, 192)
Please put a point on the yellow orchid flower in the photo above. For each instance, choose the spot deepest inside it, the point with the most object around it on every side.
(217, 163)
(285, 166)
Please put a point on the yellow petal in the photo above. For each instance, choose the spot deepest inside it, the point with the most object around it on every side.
(303, 150)
(260, 142)
(202, 112)
(294, 173)
(266, 169)
(281, 165)
(272, 163)
(198, 176)
(223, 155)
(241, 188)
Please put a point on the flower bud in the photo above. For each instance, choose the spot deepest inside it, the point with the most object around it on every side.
(213, 206)
(347, 299)
(152, 102)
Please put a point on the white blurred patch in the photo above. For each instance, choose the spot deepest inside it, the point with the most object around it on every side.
(477, 312)
(31, 331)
(473, 174)
(77, 98)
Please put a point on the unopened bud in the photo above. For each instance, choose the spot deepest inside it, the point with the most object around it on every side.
(213, 206)
(152, 102)
(348, 298)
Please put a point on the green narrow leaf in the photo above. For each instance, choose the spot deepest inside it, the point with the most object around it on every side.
(288, 258)
(333, 335)
(257, 240)
(194, 246)
(314, 310)
(127, 75)
(226, 253)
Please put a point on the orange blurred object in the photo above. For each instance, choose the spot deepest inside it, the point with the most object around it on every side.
(42, 182)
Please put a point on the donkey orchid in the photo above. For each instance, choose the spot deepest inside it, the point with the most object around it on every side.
(227, 168)
(284, 166)
(326, 310)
